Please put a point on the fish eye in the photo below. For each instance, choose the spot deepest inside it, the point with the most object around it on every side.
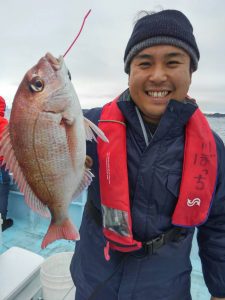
(69, 74)
(36, 84)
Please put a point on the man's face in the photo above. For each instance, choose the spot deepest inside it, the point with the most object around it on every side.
(158, 74)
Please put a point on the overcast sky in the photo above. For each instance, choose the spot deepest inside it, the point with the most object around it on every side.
(31, 28)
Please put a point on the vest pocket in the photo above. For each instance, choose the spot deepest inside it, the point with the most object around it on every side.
(172, 188)
(116, 221)
(173, 183)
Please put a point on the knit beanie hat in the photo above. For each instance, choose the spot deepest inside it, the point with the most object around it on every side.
(167, 27)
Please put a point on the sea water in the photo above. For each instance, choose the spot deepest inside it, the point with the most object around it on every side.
(218, 125)
(198, 287)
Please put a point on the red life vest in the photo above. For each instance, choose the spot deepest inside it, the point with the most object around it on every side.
(197, 183)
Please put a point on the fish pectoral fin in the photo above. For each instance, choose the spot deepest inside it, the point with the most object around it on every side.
(91, 128)
(85, 182)
(66, 230)
(11, 164)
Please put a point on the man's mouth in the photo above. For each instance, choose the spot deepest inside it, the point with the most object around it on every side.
(158, 94)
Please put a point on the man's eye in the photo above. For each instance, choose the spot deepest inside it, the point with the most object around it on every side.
(173, 63)
(145, 64)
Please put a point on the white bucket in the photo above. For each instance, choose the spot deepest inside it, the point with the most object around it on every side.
(55, 276)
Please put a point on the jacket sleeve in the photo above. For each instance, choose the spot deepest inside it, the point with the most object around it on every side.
(93, 190)
(211, 235)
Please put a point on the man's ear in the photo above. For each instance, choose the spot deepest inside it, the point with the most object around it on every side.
(190, 78)
(191, 70)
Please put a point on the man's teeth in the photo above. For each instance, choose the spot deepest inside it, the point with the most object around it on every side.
(158, 94)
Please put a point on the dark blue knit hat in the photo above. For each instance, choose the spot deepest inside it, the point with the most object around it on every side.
(167, 27)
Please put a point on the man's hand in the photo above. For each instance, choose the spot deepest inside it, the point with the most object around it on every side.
(88, 162)
(215, 298)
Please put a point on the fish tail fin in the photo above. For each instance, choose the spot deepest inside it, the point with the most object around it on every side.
(66, 230)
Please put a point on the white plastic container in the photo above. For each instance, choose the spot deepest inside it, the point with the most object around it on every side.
(55, 277)
(19, 274)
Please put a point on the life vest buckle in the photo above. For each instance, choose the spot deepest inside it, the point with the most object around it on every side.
(151, 246)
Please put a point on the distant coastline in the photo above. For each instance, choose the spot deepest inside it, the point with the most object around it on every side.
(208, 115)
(214, 115)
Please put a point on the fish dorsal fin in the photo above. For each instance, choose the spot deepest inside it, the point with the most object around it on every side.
(11, 164)
(85, 182)
(90, 128)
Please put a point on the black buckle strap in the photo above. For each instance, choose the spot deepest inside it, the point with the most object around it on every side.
(172, 235)
(151, 246)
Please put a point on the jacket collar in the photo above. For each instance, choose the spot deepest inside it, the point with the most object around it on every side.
(171, 124)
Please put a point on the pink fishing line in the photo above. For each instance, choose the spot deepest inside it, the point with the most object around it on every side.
(85, 17)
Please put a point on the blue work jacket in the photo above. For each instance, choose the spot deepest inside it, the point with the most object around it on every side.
(154, 173)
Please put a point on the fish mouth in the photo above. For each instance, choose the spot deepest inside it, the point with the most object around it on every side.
(56, 63)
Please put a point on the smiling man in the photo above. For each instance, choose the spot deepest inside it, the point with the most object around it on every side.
(158, 74)
(161, 175)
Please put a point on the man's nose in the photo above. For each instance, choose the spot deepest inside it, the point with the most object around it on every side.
(158, 74)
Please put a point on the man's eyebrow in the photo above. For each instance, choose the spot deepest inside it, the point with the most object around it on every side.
(175, 54)
(168, 55)
(143, 56)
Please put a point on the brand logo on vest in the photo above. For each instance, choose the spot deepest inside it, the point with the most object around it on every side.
(195, 201)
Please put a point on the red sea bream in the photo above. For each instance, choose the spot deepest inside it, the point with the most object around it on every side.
(44, 145)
